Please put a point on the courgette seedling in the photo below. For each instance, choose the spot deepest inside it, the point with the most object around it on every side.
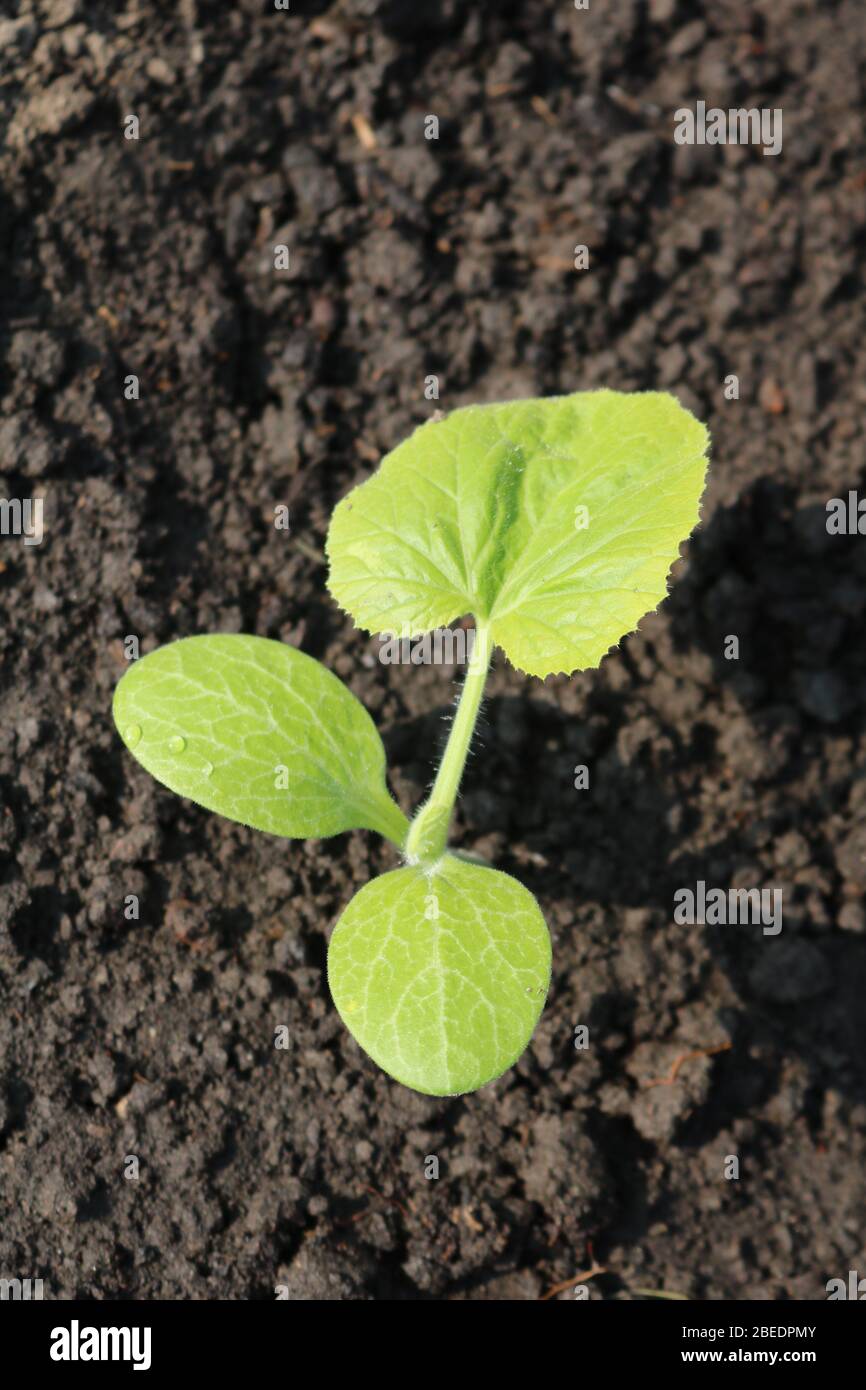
(554, 524)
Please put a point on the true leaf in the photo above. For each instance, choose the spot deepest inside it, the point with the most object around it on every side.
(258, 732)
(482, 513)
(441, 976)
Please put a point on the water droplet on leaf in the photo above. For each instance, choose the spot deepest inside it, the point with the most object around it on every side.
(207, 769)
(133, 735)
(177, 743)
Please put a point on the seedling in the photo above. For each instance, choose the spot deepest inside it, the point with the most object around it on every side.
(554, 523)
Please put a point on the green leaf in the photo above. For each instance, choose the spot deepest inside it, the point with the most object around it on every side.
(441, 976)
(260, 733)
(480, 513)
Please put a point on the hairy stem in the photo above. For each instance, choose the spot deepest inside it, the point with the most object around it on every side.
(428, 834)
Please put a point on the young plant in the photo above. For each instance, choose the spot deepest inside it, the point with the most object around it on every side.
(554, 523)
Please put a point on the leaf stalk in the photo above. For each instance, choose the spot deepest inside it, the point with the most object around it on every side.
(428, 833)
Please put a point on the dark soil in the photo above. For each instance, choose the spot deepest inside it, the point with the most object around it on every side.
(154, 1038)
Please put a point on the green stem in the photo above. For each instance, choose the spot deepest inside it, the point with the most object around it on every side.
(388, 819)
(428, 834)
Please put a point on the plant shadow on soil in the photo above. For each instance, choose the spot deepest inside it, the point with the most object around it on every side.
(766, 571)
(756, 742)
